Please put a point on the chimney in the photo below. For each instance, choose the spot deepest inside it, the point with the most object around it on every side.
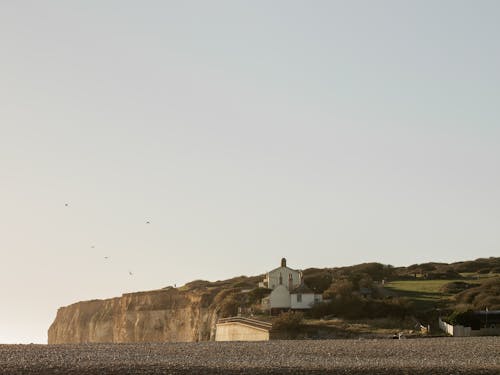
(283, 262)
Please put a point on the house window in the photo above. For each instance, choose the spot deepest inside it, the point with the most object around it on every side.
(299, 297)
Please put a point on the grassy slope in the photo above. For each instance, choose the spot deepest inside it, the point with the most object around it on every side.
(427, 294)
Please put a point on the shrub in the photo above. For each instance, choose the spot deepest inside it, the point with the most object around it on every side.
(365, 282)
(289, 321)
(229, 306)
(464, 318)
(447, 275)
(339, 288)
(376, 271)
(476, 265)
(353, 307)
(228, 301)
(456, 287)
(481, 296)
(319, 310)
(256, 295)
(318, 280)
(483, 271)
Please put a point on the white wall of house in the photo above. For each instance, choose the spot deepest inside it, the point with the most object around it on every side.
(304, 300)
(273, 277)
(280, 297)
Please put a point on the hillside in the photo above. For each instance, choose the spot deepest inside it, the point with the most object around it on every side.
(425, 286)
(189, 313)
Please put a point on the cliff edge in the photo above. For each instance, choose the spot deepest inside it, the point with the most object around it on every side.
(154, 316)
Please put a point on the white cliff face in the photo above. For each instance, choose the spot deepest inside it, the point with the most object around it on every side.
(156, 316)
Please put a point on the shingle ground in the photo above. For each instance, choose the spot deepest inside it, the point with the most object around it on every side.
(477, 355)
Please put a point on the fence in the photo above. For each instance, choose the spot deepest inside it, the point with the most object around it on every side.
(459, 331)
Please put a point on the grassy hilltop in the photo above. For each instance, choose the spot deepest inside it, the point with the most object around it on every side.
(372, 298)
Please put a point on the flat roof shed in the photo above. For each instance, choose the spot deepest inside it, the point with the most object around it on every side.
(242, 329)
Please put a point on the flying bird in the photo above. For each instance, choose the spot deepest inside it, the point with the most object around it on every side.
(130, 273)
(66, 204)
(106, 257)
(147, 222)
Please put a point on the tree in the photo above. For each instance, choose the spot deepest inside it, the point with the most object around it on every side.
(288, 321)
(464, 318)
(340, 288)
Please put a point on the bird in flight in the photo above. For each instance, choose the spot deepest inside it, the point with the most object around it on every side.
(147, 222)
(66, 204)
(130, 273)
(106, 257)
(92, 247)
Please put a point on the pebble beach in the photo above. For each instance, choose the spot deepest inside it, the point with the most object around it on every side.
(477, 355)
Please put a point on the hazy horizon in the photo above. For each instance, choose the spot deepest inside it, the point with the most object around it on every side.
(206, 140)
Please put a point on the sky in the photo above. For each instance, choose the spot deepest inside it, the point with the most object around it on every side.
(328, 132)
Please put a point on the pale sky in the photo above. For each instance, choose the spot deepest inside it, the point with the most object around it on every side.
(328, 132)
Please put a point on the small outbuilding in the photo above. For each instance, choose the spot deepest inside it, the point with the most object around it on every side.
(239, 328)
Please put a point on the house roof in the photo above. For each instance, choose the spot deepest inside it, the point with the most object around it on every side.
(286, 267)
(303, 289)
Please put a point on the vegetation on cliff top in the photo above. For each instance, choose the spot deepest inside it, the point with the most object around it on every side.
(374, 290)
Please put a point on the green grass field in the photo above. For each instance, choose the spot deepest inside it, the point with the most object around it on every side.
(425, 294)
(420, 286)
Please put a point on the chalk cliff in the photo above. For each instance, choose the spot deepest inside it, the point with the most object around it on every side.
(160, 315)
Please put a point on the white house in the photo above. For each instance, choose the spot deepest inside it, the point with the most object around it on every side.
(279, 298)
(283, 275)
(288, 290)
(303, 298)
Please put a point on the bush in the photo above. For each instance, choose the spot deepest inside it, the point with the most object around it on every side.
(456, 287)
(228, 301)
(353, 307)
(482, 296)
(376, 271)
(447, 275)
(339, 288)
(464, 318)
(483, 271)
(318, 280)
(289, 321)
(229, 306)
(476, 265)
(256, 295)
